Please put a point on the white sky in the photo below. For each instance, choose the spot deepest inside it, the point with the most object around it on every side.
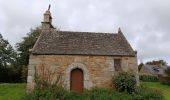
(145, 23)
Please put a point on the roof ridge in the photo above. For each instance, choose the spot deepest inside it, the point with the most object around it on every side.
(86, 32)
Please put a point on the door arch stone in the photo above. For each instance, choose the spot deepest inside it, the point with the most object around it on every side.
(87, 81)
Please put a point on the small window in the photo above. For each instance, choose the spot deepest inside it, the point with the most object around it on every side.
(117, 64)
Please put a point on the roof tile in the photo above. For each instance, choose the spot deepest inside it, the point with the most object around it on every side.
(82, 43)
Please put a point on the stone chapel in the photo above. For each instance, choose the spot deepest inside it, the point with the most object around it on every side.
(82, 59)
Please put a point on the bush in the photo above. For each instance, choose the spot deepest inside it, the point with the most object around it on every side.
(148, 78)
(124, 82)
(167, 71)
(60, 93)
(9, 75)
(57, 93)
(164, 80)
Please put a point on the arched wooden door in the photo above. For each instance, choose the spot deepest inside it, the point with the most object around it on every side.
(76, 81)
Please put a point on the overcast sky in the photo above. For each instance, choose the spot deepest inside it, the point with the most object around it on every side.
(145, 23)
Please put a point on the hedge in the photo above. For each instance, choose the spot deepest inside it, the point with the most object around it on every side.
(148, 78)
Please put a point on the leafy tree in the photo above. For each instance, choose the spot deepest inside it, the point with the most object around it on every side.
(23, 50)
(140, 66)
(158, 62)
(7, 53)
(8, 68)
(167, 71)
(27, 43)
(165, 79)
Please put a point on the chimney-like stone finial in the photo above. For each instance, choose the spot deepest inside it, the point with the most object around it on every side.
(119, 30)
(47, 22)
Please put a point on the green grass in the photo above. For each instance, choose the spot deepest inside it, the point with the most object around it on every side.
(11, 91)
(165, 89)
(16, 91)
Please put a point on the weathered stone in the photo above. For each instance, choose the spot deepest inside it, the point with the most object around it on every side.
(30, 79)
(98, 70)
(59, 52)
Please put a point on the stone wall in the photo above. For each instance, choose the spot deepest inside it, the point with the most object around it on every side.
(98, 70)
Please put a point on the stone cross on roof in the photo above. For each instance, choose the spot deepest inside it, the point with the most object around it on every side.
(49, 7)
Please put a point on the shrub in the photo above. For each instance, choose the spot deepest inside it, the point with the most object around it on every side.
(164, 80)
(9, 75)
(148, 78)
(50, 93)
(60, 93)
(124, 82)
(167, 72)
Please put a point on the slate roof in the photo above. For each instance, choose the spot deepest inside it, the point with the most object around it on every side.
(82, 43)
(153, 69)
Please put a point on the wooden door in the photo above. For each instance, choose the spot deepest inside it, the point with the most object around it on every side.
(76, 81)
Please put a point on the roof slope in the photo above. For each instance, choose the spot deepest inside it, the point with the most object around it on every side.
(153, 69)
(82, 43)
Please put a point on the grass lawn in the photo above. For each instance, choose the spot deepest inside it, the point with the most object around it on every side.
(16, 91)
(165, 89)
(11, 91)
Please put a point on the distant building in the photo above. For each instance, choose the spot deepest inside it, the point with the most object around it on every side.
(84, 59)
(153, 70)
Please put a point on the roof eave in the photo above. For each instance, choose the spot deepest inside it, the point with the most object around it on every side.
(85, 54)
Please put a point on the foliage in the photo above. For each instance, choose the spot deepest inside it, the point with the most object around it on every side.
(50, 93)
(9, 75)
(60, 93)
(164, 80)
(140, 66)
(23, 51)
(167, 72)
(45, 77)
(158, 62)
(13, 65)
(148, 78)
(17, 92)
(48, 85)
(146, 92)
(8, 67)
(7, 53)
(124, 82)
(27, 43)
(12, 91)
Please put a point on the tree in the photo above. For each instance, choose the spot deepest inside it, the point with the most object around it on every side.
(167, 71)
(7, 53)
(8, 56)
(140, 66)
(23, 50)
(158, 62)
